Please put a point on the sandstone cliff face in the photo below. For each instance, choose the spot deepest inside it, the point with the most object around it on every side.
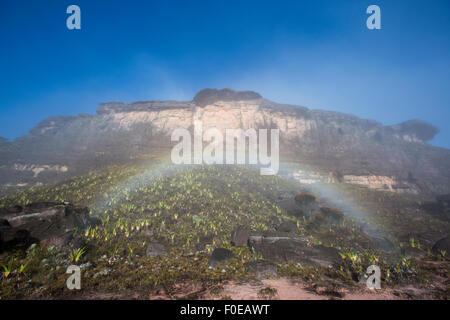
(344, 147)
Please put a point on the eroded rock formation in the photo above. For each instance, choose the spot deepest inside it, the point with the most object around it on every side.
(335, 147)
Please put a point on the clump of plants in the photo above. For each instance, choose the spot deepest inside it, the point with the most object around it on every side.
(267, 293)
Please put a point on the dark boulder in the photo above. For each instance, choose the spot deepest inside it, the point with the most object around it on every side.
(47, 222)
(415, 130)
(383, 244)
(379, 239)
(4, 223)
(295, 251)
(442, 245)
(307, 204)
(220, 257)
(413, 253)
(13, 238)
(40, 206)
(291, 207)
(60, 240)
(332, 215)
(267, 237)
(239, 237)
(287, 226)
(5, 213)
(283, 247)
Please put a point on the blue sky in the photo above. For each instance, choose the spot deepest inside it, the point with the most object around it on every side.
(318, 54)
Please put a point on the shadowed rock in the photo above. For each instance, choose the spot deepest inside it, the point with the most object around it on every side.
(384, 244)
(284, 247)
(268, 237)
(332, 215)
(342, 147)
(307, 204)
(295, 251)
(220, 257)
(287, 226)
(415, 130)
(209, 96)
(13, 237)
(4, 223)
(442, 245)
(413, 253)
(46, 222)
(239, 237)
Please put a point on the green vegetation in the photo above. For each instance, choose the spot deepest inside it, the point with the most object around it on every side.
(191, 211)
(76, 254)
(267, 293)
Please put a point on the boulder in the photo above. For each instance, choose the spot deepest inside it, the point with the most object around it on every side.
(220, 257)
(383, 244)
(268, 237)
(155, 249)
(60, 240)
(307, 204)
(442, 245)
(295, 251)
(287, 226)
(283, 247)
(379, 239)
(239, 237)
(46, 222)
(40, 206)
(261, 268)
(13, 237)
(413, 253)
(415, 130)
(333, 215)
(291, 207)
(6, 213)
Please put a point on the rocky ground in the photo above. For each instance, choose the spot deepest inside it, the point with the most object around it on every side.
(218, 233)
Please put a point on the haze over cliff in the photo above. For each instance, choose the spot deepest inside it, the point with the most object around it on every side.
(328, 146)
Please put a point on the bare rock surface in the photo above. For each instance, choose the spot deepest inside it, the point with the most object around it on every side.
(442, 245)
(220, 257)
(285, 247)
(343, 148)
(47, 222)
(287, 226)
(240, 236)
(209, 96)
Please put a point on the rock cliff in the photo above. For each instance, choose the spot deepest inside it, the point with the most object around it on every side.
(335, 147)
